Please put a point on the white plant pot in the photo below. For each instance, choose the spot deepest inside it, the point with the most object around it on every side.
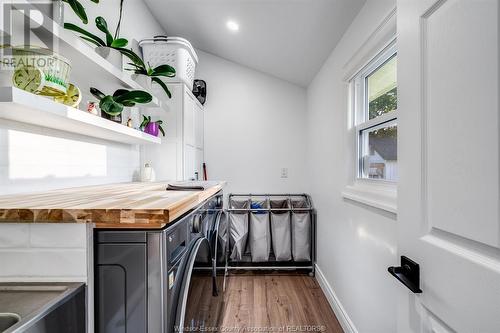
(111, 55)
(143, 80)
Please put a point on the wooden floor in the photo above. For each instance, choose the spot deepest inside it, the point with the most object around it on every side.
(266, 303)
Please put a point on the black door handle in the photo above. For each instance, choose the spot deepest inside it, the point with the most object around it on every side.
(408, 274)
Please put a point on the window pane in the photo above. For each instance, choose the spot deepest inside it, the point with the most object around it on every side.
(382, 89)
(379, 152)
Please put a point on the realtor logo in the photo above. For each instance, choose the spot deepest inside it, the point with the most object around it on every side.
(27, 26)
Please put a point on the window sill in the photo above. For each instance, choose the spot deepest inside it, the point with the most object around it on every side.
(381, 196)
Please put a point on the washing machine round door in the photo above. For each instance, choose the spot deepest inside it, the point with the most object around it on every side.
(197, 309)
(218, 238)
(218, 243)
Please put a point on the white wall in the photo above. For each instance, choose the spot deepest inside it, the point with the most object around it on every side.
(254, 126)
(34, 158)
(356, 243)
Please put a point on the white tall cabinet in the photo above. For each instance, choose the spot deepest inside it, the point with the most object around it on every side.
(180, 156)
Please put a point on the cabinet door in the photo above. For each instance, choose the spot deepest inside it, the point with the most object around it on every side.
(189, 162)
(199, 126)
(121, 275)
(199, 163)
(189, 120)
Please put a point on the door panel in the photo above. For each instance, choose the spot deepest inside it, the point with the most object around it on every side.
(461, 118)
(448, 141)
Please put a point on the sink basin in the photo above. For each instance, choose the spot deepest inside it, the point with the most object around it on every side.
(7, 320)
(41, 307)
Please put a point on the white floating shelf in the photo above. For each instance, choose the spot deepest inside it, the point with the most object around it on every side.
(88, 68)
(21, 106)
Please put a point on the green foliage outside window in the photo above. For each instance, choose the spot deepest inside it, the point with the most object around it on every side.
(386, 103)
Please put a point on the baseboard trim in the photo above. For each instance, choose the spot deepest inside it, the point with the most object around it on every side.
(342, 316)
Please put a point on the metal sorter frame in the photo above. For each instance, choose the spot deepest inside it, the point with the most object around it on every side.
(272, 264)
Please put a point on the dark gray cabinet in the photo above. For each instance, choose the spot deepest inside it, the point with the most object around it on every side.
(121, 289)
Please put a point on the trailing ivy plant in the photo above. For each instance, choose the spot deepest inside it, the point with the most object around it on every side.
(79, 9)
(155, 73)
(114, 104)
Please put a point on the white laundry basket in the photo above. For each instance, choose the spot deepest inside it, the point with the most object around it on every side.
(174, 51)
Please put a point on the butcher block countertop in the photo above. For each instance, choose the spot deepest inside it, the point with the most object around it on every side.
(124, 205)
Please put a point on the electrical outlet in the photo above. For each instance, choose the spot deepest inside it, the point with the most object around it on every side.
(284, 172)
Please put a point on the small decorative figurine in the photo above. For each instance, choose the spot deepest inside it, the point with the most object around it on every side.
(92, 108)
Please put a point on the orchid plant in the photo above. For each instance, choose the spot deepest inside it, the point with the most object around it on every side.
(114, 104)
(79, 10)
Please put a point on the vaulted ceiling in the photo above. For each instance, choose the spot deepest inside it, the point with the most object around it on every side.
(289, 39)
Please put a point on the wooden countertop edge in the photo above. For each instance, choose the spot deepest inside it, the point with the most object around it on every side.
(188, 204)
(162, 217)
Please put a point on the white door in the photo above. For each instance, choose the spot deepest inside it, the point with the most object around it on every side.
(448, 195)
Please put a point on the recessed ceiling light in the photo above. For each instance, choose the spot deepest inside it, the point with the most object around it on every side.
(232, 25)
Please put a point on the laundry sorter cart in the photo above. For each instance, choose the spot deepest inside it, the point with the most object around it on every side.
(270, 232)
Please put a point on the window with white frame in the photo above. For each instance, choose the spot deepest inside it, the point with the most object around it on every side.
(375, 103)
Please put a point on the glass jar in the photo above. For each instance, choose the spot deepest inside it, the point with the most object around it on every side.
(58, 12)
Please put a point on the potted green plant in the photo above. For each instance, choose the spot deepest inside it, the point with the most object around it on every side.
(112, 105)
(145, 74)
(151, 127)
(109, 48)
